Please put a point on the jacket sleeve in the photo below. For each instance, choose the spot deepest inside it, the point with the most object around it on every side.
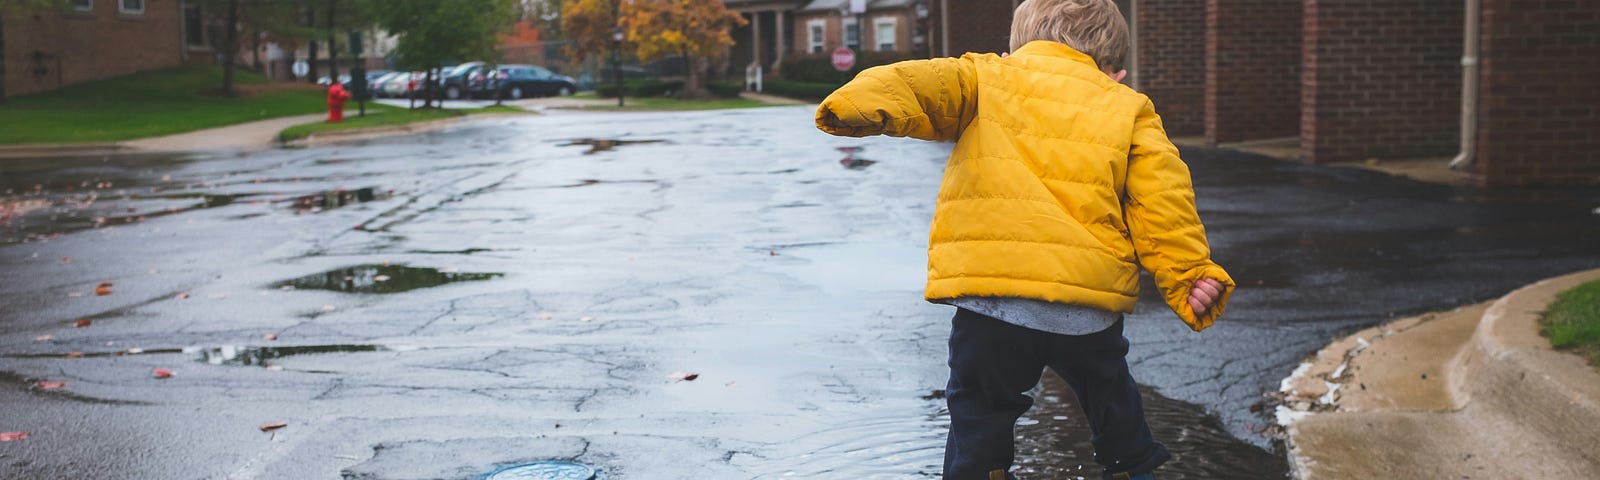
(927, 99)
(1166, 229)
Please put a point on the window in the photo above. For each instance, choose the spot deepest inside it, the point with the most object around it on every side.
(130, 6)
(194, 27)
(884, 30)
(82, 5)
(852, 34)
(815, 29)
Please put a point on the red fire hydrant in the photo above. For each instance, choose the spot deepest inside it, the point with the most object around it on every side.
(336, 98)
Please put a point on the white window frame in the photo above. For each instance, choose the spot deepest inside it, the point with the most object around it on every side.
(817, 35)
(893, 30)
(850, 41)
(122, 7)
(87, 6)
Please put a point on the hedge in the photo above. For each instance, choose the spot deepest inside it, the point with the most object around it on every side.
(640, 88)
(725, 89)
(818, 67)
(800, 90)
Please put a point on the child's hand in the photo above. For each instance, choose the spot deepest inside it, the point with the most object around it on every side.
(1204, 295)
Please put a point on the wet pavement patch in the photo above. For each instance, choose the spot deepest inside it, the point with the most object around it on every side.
(597, 145)
(554, 470)
(591, 181)
(331, 199)
(255, 356)
(382, 279)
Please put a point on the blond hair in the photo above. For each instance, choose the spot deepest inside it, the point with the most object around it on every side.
(1094, 27)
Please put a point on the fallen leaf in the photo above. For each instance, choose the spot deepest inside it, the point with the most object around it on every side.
(153, 271)
(328, 308)
(217, 296)
(74, 354)
(81, 323)
(286, 288)
(586, 319)
(772, 253)
(12, 436)
(273, 426)
(66, 259)
(729, 384)
(44, 338)
(162, 373)
(546, 315)
(275, 368)
(51, 385)
(380, 278)
(103, 290)
(183, 296)
(270, 337)
(684, 376)
(135, 351)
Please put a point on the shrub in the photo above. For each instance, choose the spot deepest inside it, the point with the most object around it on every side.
(818, 67)
(725, 89)
(801, 90)
(640, 88)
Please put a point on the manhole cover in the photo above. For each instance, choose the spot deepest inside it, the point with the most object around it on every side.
(543, 471)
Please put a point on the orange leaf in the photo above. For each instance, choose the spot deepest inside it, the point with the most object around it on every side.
(270, 336)
(81, 323)
(75, 355)
(162, 373)
(685, 376)
(182, 296)
(51, 385)
(103, 290)
(12, 436)
(273, 426)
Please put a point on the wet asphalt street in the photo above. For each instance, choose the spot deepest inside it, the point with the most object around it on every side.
(722, 299)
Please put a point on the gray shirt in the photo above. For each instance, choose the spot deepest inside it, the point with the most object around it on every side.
(1040, 315)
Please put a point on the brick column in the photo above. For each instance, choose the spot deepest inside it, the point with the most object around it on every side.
(1252, 69)
(1172, 65)
(1382, 79)
(1539, 93)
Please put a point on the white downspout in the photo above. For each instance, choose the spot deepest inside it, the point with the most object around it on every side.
(1469, 88)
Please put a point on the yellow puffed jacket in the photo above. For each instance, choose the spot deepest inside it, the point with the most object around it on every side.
(1061, 185)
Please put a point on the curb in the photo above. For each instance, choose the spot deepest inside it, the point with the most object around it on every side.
(39, 150)
(339, 137)
(1514, 369)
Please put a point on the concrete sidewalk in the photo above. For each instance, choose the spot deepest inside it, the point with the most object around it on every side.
(245, 136)
(1471, 393)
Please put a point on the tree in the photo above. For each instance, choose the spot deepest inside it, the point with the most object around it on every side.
(431, 32)
(691, 29)
(590, 25)
(15, 7)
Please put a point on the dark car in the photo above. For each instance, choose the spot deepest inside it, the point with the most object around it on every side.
(462, 80)
(520, 81)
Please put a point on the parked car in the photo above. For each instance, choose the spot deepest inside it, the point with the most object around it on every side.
(519, 81)
(457, 83)
(372, 76)
(378, 85)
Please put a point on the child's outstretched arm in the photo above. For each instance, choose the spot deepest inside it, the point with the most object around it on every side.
(927, 99)
(1166, 229)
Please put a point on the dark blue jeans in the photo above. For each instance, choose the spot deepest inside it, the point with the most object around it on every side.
(993, 364)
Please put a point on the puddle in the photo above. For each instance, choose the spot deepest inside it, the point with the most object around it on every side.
(39, 214)
(851, 162)
(248, 356)
(1053, 440)
(30, 385)
(382, 279)
(332, 199)
(591, 181)
(597, 145)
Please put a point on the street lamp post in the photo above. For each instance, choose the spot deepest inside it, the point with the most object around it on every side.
(616, 61)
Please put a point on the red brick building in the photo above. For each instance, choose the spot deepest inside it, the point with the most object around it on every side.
(1359, 79)
(87, 40)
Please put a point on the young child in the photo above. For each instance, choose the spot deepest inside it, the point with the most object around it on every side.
(1061, 185)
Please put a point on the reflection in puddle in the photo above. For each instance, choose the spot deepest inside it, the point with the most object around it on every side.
(30, 384)
(1053, 440)
(850, 161)
(332, 199)
(604, 144)
(243, 356)
(382, 279)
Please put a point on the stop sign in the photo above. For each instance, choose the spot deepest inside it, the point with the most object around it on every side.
(843, 58)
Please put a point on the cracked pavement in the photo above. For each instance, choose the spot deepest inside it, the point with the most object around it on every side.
(737, 248)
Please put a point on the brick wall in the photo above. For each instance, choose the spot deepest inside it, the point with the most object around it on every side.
(1252, 69)
(1539, 96)
(100, 44)
(982, 26)
(1171, 66)
(1382, 79)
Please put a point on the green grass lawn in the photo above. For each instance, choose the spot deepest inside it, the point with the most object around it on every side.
(673, 104)
(148, 104)
(1573, 321)
(386, 116)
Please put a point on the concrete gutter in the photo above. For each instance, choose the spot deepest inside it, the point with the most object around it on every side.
(1475, 392)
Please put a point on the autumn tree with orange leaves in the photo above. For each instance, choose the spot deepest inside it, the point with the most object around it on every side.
(694, 30)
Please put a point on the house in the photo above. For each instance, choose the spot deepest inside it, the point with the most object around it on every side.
(83, 40)
(1502, 89)
(777, 29)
